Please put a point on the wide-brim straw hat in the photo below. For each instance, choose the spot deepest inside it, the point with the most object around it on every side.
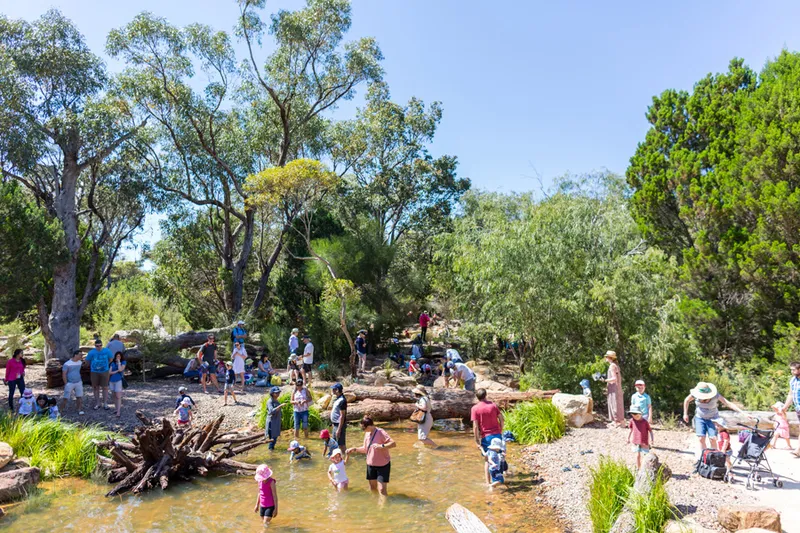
(419, 389)
(704, 391)
(263, 473)
(611, 355)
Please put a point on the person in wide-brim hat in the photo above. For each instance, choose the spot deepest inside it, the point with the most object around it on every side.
(704, 391)
(706, 400)
(616, 404)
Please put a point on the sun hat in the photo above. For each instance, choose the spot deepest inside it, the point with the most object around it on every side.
(263, 473)
(325, 434)
(413, 357)
(362, 331)
(181, 389)
(306, 337)
(496, 445)
(720, 422)
(634, 410)
(704, 391)
(584, 383)
(419, 389)
(336, 452)
(298, 382)
(337, 386)
(639, 382)
(294, 445)
(28, 393)
(778, 405)
(451, 364)
(611, 354)
(228, 363)
(295, 330)
(240, 323)
(186, 401)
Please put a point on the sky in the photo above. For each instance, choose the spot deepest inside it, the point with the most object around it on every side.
(531, 90)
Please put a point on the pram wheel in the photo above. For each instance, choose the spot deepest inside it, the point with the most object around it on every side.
(758, 478)
(778, 483)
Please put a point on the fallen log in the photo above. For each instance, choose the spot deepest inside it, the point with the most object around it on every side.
(392, 393)
(464, 521)
(160, 453)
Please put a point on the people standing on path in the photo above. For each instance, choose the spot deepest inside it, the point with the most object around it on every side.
(793, 397)
(463, 373)
(267, 500)
(207, 355)
(238, 333)
(613, 379)
(184, 414)
(376, 446)
(424, 320)
(642, 400)
(293, 368)
(361, 350)
(294, 342)
(706, 401)
(181, 395)
(15, 376)
(73, 383)
(424, 427)
(781, 425)
(308, 360)
(339, 415)
(99, 360)
(301, 400)
(487, 424)
(238, 358)
(230, 384)
(273, 422)
(116, 376)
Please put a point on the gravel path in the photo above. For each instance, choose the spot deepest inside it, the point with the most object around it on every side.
(695, 497)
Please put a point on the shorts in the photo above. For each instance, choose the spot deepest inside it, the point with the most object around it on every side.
(497, 475)
(301, 417)
(183, 423)
(380, 473)
(69, 388)
(266, 511)
(470, 385)
(704, 427)
(638, 448)
(99, 379)
(487, 440)
(307, 368)
(115, 386)
(229, 386)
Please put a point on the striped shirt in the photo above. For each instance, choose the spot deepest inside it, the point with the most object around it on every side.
(794, 386)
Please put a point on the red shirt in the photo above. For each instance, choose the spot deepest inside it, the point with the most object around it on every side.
(423, 320)
(640, 432)
(487, 415)
(724, 441)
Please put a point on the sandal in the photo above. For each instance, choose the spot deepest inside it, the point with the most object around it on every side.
(106, 408)
(96, 407)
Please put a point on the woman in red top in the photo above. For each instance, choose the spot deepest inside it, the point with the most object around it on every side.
(376, 447)
(15, 376)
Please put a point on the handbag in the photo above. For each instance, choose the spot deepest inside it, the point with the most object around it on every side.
(124, 383)
(418, 416)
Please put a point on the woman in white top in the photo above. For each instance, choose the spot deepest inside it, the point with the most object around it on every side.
(238, 356)
(424, 428)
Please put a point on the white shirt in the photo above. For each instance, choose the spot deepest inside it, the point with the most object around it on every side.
(238, 351)
(308, 354)
(462, 372)
(293, 343)
(338, 471)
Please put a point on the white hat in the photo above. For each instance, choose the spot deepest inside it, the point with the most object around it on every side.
(336, 452)
(181, 389)
(293, 446)
(186, 401)
(779, 406)
(639, 382)
(496, 445)
(704, 391)
(240, 323)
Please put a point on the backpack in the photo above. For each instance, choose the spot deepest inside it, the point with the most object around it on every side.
(711, 465)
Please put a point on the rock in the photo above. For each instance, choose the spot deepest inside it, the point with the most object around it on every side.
(350, 397)
(380, 381)
(17, 483)
(754, 530)
(16, 464)
(6, 454)
(737, 517)
(324, 401)
(574, 407)
(685, 526)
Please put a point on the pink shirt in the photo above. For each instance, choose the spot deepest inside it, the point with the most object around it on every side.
(265, 498)
(14, 369)
(423, 320)
(377, 456)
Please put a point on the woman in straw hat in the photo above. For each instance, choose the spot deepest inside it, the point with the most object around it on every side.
(706, 405)
(424, 427)
(616, 407)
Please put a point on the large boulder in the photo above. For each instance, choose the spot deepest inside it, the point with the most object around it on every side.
(737, 517)
(18, 483)
(6, 454)
(16, 464)
(574, 407)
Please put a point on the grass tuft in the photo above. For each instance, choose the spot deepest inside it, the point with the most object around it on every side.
(608, 490)
(654, 511)
(315, 422)
(535, 422)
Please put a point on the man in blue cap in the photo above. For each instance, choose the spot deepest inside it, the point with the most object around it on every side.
(339, 415)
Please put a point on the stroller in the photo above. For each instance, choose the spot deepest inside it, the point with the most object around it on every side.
(753, 452)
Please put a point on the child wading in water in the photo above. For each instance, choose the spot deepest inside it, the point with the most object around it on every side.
(781, 425)
(336, 472)
(639, 435)
(267, 499)
(496, 457)
(329, 442)
(297, 452)
(184, 414)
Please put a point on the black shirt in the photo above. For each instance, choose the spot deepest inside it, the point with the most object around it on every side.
(180, 399)
(230, 377)
(361, 345)
(209, 353)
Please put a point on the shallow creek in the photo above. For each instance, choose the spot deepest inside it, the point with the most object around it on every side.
(423, 484)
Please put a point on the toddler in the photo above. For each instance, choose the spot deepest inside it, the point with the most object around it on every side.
(336, 472)
(639, 434)
(267, 499)
(330, 442)
(781, 425)
(230, 381)
(42, 404)
(182, 392)
(413, 366)
(52, 405)
(297, 452)
(495, 456)
(724, 441)
(587, 391)
(26, 405)
(184, 413)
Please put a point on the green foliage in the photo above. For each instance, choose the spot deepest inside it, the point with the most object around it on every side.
(755, 384)
(536, 422)
(57, 448)
(315, 422)
(478, 340)
(608, 490)
(651, 512)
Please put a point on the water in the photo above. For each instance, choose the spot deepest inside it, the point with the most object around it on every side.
(423, 484)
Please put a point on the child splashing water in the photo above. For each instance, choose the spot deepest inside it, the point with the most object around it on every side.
(267, 499)
(336, 472)
(781, 425)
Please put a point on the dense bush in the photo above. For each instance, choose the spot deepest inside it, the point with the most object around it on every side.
(535, 422)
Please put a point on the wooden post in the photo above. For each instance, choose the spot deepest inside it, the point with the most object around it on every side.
(464, 521)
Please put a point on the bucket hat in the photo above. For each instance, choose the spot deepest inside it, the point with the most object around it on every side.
(263, 473)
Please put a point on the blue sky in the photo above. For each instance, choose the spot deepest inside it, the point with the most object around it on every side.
(528, 88)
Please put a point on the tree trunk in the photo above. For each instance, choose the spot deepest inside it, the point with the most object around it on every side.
(239, 267)
(464, 521)
(44, 326)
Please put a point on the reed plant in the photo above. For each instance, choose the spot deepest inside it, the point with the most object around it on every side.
(315, 422)
(535, 422)
(653, 511)
(56, 447)
(609, 485)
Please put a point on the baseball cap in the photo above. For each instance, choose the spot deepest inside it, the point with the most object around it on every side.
(181, 389)
(639, 382)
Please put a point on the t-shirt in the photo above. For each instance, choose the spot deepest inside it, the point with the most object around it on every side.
(14, 369)
(642, 401)
(230, 377)
(265, 498)
(180, 399)
(118, 376)
(453, 355)
(303, 396)
(640, 432)
(361, 345)
(308, 354)
(332, 445)
(26, 405)
(339, 405)
(338, 472)
(238, 334)
(724, 441)
(115, 346)
(294, 344)
(423, 320)
(209, 351)
(377, 456)
(707, 410)
(183, 414)
(463, 372)
(496, 458)
(273, 420)
(99, 359)
(487, 415)
(73, 370)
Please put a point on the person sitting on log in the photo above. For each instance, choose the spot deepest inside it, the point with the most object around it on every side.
(265, 369)
(297, 452)
(184, 414)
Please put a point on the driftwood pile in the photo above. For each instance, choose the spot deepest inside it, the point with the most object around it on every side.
(391, 402)
(159, 454)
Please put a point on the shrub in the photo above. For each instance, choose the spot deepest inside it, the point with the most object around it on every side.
(652, 512)
(57, 448)
(608, 490)
(315, 422)
(535, 422)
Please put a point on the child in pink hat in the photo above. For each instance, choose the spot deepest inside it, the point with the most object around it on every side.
(267, 500)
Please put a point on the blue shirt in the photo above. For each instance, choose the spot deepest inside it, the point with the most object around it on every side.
(118, 375)
(361, 345)
(794, 386)
(99, 359)
(643, 402)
